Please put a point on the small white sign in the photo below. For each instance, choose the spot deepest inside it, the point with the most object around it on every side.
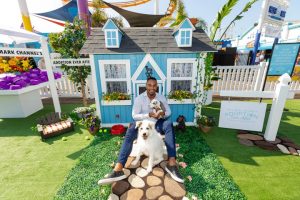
(242, 115)
(71, 62)
(21, 52)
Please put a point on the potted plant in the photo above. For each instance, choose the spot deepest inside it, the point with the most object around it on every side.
(181, 96)
(205, 123)
(80, 112)
(92, 123)
(115, 98)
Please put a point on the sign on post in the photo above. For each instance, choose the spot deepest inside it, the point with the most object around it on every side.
(71, 62)
(21, 52)
(283, 59)
(242, 115)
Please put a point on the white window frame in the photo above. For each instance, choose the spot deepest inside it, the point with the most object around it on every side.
(181, 60)
(104, 80)
(106, 38)
(191, 36)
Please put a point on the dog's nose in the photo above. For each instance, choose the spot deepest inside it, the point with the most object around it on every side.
(144, 134)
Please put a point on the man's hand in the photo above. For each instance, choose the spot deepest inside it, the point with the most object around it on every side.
(156, 115)
(152, 114)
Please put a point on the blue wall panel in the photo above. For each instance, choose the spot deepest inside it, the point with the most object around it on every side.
(186, 110)
(109, 113)
(116, 114)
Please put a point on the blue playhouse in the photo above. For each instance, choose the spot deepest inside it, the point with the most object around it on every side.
(121, 58)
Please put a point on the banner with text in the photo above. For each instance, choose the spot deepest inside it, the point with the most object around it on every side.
(21, 52)
(71, 62)
(283, 59)
(242, 115)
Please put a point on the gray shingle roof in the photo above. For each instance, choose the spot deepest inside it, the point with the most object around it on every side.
(147, 40)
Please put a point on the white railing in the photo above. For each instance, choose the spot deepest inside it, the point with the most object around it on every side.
(246, 78)
(65, 88)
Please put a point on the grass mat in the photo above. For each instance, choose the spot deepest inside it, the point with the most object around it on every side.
(209, 179)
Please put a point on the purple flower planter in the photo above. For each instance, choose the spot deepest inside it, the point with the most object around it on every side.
(44, 78)
(35, 81)
(15, 87)
(33, 76)
(44, 73)
(21, 83)
(35, 71)
(4, 86)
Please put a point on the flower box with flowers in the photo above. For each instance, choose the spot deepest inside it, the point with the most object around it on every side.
(17, 73)
(180, 97)
(116, 98)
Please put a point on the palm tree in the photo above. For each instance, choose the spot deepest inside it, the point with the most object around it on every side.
(98, 17)
(239, 16)
(225, 10)
(181, 13)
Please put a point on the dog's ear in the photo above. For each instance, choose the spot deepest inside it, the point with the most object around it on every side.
(138, 124)
(151, 125)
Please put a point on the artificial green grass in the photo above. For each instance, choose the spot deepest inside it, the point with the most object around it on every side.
(210, 179)
(29, 168)
(259, 173)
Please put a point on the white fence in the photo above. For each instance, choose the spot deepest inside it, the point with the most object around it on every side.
(65, 88)
(246, 78)
(234, 78)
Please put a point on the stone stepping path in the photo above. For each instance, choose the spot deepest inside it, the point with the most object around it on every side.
(139, 185)
(285, 145)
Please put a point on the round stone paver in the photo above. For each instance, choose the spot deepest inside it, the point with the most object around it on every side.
(135, 194)
(266, 145)
(277, 141)
(283, 149)
(141, 172)
(145, 163)
(249, 136)
(126, 172)
(290, 144)
(157, 171)
(154, 192)
(293, 151)
(153, 180)
(135, 181)
(173, 188)
(120, 187)
(246, 142)
(165, 197)
(285, 140)
(163, 164)
(113, 197)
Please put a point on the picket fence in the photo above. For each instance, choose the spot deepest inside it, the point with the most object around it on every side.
(246, 78)
(234, 78)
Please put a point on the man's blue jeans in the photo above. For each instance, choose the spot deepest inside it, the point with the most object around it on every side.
(162, 126)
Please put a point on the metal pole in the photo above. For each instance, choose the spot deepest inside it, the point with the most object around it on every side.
(83, 13)
(259, 28)
(25, 15)
(156, 7)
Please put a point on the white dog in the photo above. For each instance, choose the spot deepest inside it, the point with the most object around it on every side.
(156, 106)
(149, 143)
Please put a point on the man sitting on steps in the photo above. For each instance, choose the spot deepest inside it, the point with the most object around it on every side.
(141, 110)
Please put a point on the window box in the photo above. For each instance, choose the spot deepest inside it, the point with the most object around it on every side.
(183, 101)
(116, 103)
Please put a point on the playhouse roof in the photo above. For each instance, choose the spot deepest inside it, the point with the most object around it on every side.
(146, 40)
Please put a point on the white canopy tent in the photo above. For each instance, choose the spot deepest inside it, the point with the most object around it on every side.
(9, 36)
(16, 36)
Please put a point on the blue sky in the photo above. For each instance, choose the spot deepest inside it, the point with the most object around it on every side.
(206, 9)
